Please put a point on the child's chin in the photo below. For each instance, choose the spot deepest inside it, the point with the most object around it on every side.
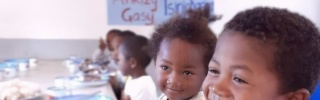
(174, 95)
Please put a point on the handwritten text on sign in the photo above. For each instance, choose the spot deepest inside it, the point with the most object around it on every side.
(148, 12)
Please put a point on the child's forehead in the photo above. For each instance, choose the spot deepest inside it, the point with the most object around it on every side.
(179, 46)
(117, 39)
(180, 52)
(242, 42)
(235, 48)
(179, 42)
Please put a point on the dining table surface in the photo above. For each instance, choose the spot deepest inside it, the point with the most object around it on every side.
(46, 72)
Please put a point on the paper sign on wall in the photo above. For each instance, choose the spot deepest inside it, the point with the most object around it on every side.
(148, 12)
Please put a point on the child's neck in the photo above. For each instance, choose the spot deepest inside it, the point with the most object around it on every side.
(138, 73)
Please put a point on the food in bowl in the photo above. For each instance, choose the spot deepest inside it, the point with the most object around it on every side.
(19, 90)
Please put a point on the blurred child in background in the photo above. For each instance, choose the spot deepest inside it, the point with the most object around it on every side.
(116, 41)
(117, 80)
(102, 55)
(134, 57)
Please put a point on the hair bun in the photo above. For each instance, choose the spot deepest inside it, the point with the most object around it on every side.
(203, 13)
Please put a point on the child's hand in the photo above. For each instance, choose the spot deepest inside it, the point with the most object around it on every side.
(126, 97)
(113, 81)
(102, 44)
(117, 85)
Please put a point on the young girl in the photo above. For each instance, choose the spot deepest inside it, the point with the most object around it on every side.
(265, 54)
(183, 47)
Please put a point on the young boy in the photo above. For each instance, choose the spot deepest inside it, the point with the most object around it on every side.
(117, 81)
(102, 55)
(134, 57)
(117, 40)
(182, 48)
(111, 34)
(265, 54)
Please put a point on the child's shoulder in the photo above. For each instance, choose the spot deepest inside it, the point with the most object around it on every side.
(144, 78)
(143, 81)
(147, 83)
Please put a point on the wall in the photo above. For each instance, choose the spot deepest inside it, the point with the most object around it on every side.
(55, 29)
(54, 49)
(228, 8)
(57, 19)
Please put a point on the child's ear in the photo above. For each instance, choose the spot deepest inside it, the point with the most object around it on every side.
(301, 94)
(133, 62)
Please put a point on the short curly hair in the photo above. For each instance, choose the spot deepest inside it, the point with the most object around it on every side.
(112, 32)
(191, 27)
(297, 41)
(137, 47)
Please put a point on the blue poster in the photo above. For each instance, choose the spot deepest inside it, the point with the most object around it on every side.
(149, 12)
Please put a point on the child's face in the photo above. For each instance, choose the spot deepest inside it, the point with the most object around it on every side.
(180, 68)
(124, 64)
(102, 45)
(109, 39)
(241, 70)
(115, 43)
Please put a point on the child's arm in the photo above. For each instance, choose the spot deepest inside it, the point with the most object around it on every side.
(99, 52)
(124, 96)
(117, 86)
(102, 44)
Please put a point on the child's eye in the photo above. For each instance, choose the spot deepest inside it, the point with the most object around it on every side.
(213, 71)
(239, 80)
(187, 73)
(164, 67)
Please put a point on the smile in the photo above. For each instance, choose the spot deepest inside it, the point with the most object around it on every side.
(212, 96)
(174, 90)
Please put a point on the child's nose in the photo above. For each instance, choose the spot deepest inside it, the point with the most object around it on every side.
(175, 80)
(220, 88)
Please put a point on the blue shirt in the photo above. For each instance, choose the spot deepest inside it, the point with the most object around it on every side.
(316, 93)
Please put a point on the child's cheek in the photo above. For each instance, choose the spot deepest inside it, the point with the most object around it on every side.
(161, 79)
(123, 68)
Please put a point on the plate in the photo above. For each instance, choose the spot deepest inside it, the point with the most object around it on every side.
(40, 97)
(56, 91)
(20, 89)
(80, 81)
(83, 97)
(89, 84)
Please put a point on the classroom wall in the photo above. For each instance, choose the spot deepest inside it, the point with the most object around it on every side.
(228, 8)
(55, 29)
(57, 19)
(87, 19)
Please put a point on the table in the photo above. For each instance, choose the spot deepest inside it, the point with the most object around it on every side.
(47, 70)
